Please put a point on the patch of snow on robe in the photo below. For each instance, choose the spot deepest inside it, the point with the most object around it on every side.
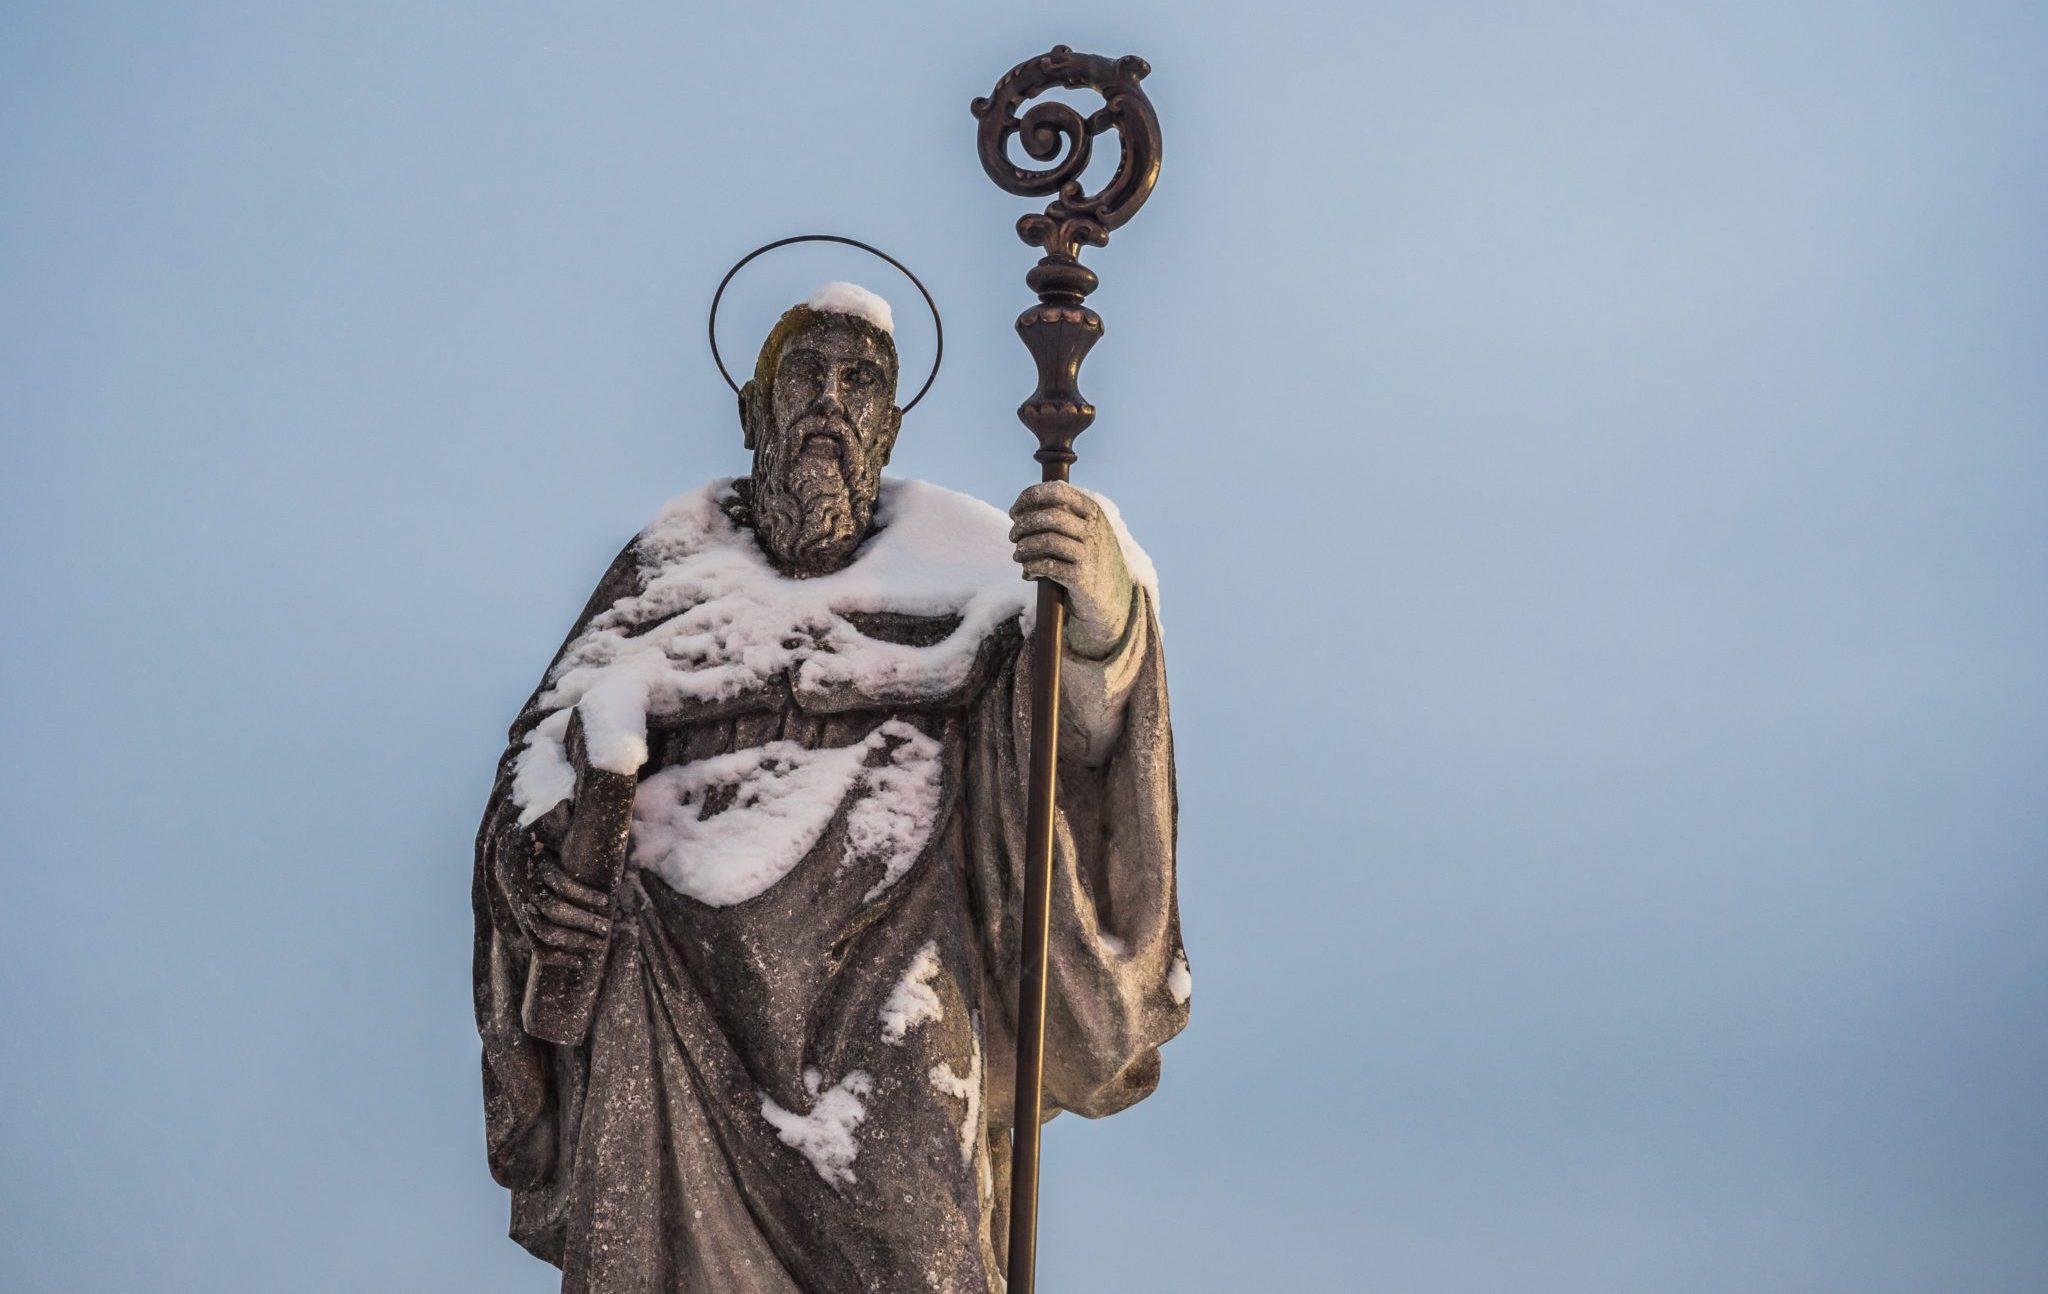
(965, 1087)
(782, 798)
(825, 1134)
(913, 1001)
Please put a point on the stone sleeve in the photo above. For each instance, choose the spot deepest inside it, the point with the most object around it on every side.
(1095, 690)
(1117, 968)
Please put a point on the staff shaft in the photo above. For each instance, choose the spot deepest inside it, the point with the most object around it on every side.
(1040, 805)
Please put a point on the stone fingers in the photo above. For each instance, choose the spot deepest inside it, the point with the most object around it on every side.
(1054, 494)
(1053, 545)
(561, 924)
(562, 912)
(1059, 521)
(1064, 574)
(574, 942)
(583, 896)
(1055, 531)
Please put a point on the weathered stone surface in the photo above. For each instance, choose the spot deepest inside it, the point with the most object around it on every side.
(796, 1074)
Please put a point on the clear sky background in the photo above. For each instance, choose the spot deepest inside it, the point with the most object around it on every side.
(1596, 455)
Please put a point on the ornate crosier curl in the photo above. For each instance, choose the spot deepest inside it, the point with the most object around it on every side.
(1061, 329)
(1051, 129)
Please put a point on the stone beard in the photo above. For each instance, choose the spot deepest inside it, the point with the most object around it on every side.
(798, 1075)
(804, 498)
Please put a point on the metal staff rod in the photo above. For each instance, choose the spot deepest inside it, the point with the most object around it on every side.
(1058, 332)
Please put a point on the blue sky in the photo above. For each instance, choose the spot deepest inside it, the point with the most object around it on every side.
(1595, 458)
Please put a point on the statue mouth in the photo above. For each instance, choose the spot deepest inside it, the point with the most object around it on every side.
(820, 469)
(826, 441)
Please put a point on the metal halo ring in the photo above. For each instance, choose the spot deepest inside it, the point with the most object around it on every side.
(938, 329)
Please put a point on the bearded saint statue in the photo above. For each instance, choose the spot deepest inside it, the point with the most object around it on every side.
(802, 699)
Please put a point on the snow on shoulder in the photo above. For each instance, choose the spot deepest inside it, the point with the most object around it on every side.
(714, 621)
(713, 625)
(853, 299)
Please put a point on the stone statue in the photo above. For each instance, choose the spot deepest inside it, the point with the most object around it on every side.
(746, 889)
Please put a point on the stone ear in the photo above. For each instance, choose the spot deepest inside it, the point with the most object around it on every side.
(747, 414)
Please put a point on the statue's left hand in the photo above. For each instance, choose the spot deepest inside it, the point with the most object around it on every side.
(1062, 535)
(551, 907)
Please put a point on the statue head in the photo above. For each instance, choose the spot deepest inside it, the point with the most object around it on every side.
(820, 415)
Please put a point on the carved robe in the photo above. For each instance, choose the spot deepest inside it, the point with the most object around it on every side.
(798, 1080)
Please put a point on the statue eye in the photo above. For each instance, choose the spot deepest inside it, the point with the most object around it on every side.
(803, 369)
(860, 376)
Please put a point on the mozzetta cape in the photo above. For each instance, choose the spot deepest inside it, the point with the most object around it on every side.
(799, 1076)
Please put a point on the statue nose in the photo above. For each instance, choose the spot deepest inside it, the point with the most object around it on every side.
(828, 395)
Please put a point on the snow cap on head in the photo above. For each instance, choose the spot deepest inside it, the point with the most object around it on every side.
(853, 299)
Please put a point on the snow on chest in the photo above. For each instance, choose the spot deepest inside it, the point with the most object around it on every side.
(725, 829)
(714, 623)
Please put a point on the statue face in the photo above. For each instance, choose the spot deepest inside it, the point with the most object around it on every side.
(820, 440)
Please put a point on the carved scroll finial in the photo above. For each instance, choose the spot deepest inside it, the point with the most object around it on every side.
(1054, 132)
(1060, 330)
